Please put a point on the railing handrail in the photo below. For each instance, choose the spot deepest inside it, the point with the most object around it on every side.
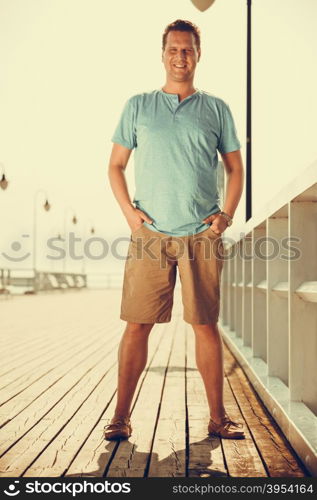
(298, 185)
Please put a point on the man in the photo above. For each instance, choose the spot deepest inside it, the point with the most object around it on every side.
(176, 131)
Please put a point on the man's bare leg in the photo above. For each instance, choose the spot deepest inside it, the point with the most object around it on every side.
(209, 360)
(132, 358)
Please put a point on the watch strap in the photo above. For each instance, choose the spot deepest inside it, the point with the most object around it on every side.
(227, 217)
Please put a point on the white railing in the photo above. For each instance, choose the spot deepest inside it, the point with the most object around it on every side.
(269, 309)
(24, 281)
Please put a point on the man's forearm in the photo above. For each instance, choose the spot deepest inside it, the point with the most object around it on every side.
(120, 189)
(233, 191)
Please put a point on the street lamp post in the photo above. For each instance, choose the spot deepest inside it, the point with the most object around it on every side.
(55, 232)
(203, 5)
(91, 231)
(249, 128)
(74, 221)
(46, 207)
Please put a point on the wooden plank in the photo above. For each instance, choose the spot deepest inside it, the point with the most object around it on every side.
(17, 373)
(26, 450)
(27, 349)
(48, 375)
(15, 406)
(31, 320)
(52, 392)
(205, 455)
(69, 394)
(57, 341)
(279, 458)
(168, 456)
(14, 351)
(57, 424)
(59, 454)
(23, 374)
(130, 456)
(241, 455)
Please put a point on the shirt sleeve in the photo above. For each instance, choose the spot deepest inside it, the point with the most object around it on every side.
(125, 132)
(228, 140)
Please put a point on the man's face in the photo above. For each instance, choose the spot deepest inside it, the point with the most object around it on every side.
(180, 56)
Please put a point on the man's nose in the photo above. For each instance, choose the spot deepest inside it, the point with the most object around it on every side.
(182, 53)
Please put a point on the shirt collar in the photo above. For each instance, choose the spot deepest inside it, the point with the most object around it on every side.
(175, 96)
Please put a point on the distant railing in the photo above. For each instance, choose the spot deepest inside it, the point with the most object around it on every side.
(25, 281)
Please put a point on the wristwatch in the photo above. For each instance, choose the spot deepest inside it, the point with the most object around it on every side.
(227, 217)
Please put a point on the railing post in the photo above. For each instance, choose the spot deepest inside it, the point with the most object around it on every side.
(259, 292)
(277, 310)
(303, 313)
(247, 253)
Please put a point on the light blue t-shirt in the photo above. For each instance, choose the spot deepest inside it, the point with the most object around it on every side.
(175, 157)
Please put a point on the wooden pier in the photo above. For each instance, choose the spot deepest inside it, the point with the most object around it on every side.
(58, 389)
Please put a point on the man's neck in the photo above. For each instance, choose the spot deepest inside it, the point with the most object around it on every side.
(183, 90)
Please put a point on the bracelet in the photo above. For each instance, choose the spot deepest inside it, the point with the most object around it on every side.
(227, 217)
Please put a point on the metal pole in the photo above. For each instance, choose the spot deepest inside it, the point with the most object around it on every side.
(249, 123)
(65, 234)
(35, 236)
(92, 230)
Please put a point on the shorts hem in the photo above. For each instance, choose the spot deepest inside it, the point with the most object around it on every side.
(200, 322)
(134, 320)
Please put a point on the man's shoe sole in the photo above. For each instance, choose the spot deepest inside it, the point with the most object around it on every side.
(217, 434)
(117, 436)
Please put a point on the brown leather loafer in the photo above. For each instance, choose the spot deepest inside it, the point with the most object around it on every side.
(119, 428)
(224, 428)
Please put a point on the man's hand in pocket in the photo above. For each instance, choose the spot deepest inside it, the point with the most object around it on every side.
(218, 223)
(135, 218)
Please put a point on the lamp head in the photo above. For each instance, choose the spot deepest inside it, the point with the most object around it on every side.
(47, 206)
(202, 4)
(4, 182)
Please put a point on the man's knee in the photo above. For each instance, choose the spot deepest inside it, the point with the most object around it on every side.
(139, 328)
(205, 328)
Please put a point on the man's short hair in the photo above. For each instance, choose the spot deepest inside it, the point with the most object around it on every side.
(180, 25)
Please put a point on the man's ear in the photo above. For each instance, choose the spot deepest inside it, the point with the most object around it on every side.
(199, 54)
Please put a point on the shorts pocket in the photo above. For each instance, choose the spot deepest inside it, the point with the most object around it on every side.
(136, 230)
(213, 232)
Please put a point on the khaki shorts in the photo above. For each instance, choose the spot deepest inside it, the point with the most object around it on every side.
(150, 276)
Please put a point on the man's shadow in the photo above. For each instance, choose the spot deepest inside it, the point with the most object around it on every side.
(201, 449)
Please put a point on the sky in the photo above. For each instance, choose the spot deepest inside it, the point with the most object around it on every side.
(68, 66)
